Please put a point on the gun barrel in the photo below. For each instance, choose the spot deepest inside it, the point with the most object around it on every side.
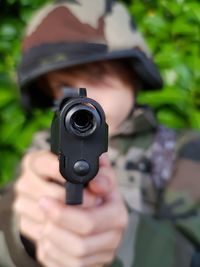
(82, 120)
(79, 135)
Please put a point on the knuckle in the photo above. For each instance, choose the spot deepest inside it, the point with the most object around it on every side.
(20, 185)
(26, 160)
(31, 158)
(17, 207)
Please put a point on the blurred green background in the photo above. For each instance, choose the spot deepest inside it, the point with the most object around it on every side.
(172, 30)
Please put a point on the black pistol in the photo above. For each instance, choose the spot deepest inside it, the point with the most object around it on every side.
(79, 135)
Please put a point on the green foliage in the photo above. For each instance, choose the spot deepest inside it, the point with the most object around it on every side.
(172, 31)
(15, 127)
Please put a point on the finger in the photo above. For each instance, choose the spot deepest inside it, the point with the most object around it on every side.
(44, 164)
(104, 160)
(46, 249)
(25, 206)
(81, 247)
(103, 183)
(30, 228)
(34, 187)
(45, 259)
(85, 222)
(111, 215)
(105, 180)
(90, 200)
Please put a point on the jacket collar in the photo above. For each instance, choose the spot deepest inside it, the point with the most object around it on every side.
(141, 119)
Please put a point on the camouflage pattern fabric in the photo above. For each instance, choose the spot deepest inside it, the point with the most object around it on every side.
(163, 234)
(91, 26)
(79, 36)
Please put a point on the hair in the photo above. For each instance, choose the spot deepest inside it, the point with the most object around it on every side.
(94, 71)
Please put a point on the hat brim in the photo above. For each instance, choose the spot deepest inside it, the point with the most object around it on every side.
(45, 58)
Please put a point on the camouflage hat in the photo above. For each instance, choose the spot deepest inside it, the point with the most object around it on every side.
(69, 33)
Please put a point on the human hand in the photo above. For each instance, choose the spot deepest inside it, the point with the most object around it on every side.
(40, 177)
(74, 236)
(38, 172)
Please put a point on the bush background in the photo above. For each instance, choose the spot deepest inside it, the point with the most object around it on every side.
(172, 30)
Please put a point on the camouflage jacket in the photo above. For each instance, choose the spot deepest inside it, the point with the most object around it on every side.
(158, 175)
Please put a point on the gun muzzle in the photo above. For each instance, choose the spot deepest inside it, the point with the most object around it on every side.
(82, 120)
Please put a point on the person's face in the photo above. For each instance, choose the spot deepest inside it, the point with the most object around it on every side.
(106, 82)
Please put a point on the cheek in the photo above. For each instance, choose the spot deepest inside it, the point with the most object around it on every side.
(117, 106)
(122, 100)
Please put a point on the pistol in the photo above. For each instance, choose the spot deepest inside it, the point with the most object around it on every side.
(79, 135)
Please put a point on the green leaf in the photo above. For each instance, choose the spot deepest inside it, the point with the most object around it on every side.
(183, 26)
(170, 119)
(195, 120)
(170, 96)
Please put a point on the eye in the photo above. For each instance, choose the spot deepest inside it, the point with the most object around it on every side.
(60, 85)
(57, 90)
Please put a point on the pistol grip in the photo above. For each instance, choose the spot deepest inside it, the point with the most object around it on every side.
(74, 193)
